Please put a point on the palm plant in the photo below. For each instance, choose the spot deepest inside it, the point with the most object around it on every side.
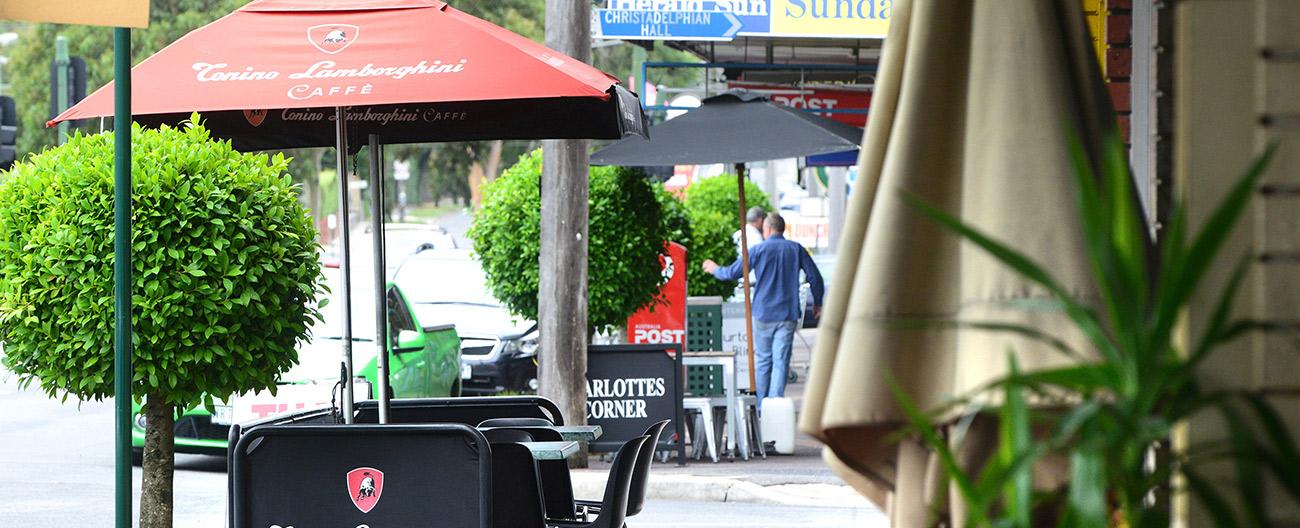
(1132, 384)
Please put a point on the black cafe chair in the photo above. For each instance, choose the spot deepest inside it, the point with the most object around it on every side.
(613, 507)
(515, 422)
(495, 436)
(640, 475)
(557, 484)
(466, 410)
(516, 484)
(280, 470)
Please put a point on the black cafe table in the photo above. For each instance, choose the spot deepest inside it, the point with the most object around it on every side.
(578, 433)
(571, 435)
(551, 450)
(575, 433)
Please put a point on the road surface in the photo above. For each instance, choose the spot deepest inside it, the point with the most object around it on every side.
(58, 462)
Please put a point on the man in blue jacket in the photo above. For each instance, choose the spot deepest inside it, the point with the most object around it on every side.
(776, 264)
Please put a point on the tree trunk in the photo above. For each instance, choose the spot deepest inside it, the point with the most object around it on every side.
(562, 285)
(494, 160)
(562, 302)
(476, 180)
(159, 462)
(422, 166)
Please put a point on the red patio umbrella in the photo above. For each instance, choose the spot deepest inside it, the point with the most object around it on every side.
(270, 75)
(313, 73)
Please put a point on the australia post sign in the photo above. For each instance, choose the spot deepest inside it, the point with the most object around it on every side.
(832, 101)
(665, 320)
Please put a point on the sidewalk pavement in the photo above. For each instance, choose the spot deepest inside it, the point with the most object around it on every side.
(798, 479)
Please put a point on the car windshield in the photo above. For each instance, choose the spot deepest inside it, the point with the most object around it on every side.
(401, 243)
(363, 306)
(427, 279)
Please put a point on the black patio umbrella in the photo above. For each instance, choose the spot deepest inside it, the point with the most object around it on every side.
(735, 127)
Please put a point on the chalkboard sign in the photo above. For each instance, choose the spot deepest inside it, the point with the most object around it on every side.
(630, 388)
(361, 475)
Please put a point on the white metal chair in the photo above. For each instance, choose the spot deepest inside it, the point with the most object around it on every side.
(704, 407)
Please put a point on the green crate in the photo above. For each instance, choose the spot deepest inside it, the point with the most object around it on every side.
(703, 327)
(704, 380)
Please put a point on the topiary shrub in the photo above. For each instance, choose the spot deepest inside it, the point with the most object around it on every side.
(626, 236)
(226, 276)
(719, 194)
(712, 240)
(713, 206)
(676, 222)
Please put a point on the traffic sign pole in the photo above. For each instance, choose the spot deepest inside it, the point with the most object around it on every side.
(638, 71)
(122, 346)
(61, 83)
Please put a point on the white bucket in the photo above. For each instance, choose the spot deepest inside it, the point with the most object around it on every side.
(777, 423)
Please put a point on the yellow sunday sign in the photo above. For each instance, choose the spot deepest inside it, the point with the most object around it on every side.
(832, 18)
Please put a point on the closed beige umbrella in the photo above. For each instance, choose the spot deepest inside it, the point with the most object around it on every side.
(972, 106)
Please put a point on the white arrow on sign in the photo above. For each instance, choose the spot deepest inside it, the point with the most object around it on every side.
(735, 24)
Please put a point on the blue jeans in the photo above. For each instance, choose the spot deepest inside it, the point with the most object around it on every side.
(772, 342)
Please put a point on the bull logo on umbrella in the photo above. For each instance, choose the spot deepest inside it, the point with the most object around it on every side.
(255, 117)
(332, 38)
(365, 485)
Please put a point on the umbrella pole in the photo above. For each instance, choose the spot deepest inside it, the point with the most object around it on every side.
(744, 267)
(345, 263)
(381, 296)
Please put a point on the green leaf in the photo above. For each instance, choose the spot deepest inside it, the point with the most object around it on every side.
(1013, 441)
(1282, 443)
(1087, 495)
(1210, 500)
(1082, 317)
(1181, 275)
(1250, 484)
(1219, 329)
(1025, 331)
(920, 424)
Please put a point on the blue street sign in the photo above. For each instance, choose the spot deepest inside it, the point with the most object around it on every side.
(639, 24)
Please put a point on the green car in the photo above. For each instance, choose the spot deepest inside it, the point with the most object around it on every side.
(423, 360)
